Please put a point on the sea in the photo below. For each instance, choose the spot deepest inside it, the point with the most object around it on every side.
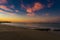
(34, 25)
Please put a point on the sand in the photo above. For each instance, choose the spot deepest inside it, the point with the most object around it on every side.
(18, 33)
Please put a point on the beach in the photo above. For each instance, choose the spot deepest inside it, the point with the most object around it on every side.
(19, 33)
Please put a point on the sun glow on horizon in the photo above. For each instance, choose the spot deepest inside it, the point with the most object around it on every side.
(13, 17)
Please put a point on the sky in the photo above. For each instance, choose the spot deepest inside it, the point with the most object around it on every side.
(30, 10)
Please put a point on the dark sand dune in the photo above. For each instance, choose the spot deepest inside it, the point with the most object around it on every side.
(16, 33)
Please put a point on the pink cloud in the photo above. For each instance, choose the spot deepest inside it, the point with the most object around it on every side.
(7, 8)
(4, 7)
(8, 13)
(1, 11)
(30, 10)
(3, 1)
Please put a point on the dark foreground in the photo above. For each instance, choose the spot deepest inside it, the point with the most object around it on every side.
(16, 33)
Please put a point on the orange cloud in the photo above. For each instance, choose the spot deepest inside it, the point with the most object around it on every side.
(29, 10)
(37, 6)
(3, 1)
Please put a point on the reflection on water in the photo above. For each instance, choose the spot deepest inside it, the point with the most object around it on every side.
(33, 25)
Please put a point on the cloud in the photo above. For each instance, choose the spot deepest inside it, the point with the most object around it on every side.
(12, 6)
(22, 6)
(16, 10)
(37, 6)
(31, 10)
(7, 13)
(30, 14)
(50, 3)
(4, 7)
(3, 1)
(1, 11)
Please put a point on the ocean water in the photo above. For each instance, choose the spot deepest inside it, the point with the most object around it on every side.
(34, 26)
